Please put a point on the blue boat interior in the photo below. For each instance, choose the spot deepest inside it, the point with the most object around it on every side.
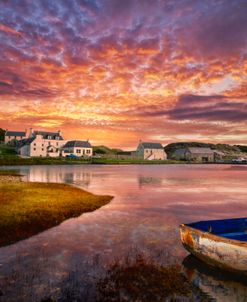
(229, 228)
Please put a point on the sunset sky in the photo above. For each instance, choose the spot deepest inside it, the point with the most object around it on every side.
(117, 71)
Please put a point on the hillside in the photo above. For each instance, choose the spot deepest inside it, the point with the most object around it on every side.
(229, 150)
(105, 150)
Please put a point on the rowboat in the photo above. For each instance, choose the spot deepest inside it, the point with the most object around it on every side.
(220, 243)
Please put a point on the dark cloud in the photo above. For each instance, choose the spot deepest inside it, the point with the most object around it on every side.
(11, 84)
(208, 108)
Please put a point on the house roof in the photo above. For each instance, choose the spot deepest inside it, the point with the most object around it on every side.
(80, 144)
(200, 150)
(46, 135)
(26, 141)
(151, 145)
(15, 133)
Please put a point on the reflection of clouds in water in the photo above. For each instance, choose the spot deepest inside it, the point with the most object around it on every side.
(149, 203)
(237, 168)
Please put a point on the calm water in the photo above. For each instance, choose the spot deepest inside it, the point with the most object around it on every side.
(150, 201)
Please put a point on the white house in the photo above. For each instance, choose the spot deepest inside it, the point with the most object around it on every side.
(150, 151)
(14, 136)
(77, 148)
(41, 144)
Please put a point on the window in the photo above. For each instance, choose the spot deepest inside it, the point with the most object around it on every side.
(88, 151)
(57, 143)
(78, 150)
(34, 144)
(42, 149)
(34, 149)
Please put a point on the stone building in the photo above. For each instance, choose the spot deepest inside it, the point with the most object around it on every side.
(150, 151)
(200, 154)
(41, 144)
(14, 136)
(197, 154)
(77, 148)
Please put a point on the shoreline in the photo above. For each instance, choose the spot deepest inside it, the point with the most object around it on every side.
(29, 208)
(18, 161)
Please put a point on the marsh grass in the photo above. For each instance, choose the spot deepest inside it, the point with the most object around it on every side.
(29, 208)
(143, 280)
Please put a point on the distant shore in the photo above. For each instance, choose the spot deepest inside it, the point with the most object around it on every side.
(16, 161)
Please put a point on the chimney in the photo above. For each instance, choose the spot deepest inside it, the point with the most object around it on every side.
(31, 132)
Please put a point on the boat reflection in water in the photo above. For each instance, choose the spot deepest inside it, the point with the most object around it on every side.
(215, 283)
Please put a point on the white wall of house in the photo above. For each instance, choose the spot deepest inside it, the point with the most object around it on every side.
(150, 154)
(78, 151)
(39, 147)
(25, 150)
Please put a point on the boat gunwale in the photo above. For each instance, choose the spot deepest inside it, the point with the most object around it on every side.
(213, 236)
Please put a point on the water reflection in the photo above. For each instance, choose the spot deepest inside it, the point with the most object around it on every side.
(150, 202)
(217, 284)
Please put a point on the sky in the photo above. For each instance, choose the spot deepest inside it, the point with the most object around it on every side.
(117, 72)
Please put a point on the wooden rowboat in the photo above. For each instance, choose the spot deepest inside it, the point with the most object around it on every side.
(220, 243)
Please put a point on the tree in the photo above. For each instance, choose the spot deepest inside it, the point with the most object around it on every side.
(2, 134)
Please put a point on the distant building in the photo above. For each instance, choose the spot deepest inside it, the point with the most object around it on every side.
(77, 148)
(197, 154)
(11, 136)
(150, 151)
(41, 144)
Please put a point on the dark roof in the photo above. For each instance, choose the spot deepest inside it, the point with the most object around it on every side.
(80, 144)
(26, 141)
(200, 150)
(15, 133)
(45, 134)
(152, 145)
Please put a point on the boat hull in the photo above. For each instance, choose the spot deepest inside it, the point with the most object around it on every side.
(215, 250)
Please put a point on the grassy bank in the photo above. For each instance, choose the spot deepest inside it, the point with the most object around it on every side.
(29, 208)
(116, 161)
(15, 161)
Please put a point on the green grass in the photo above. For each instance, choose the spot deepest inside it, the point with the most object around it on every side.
(29, 208)
(15, 160)
(7, 150)
(116, 161)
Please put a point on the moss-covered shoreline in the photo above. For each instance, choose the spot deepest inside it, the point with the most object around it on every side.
(29, 208)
